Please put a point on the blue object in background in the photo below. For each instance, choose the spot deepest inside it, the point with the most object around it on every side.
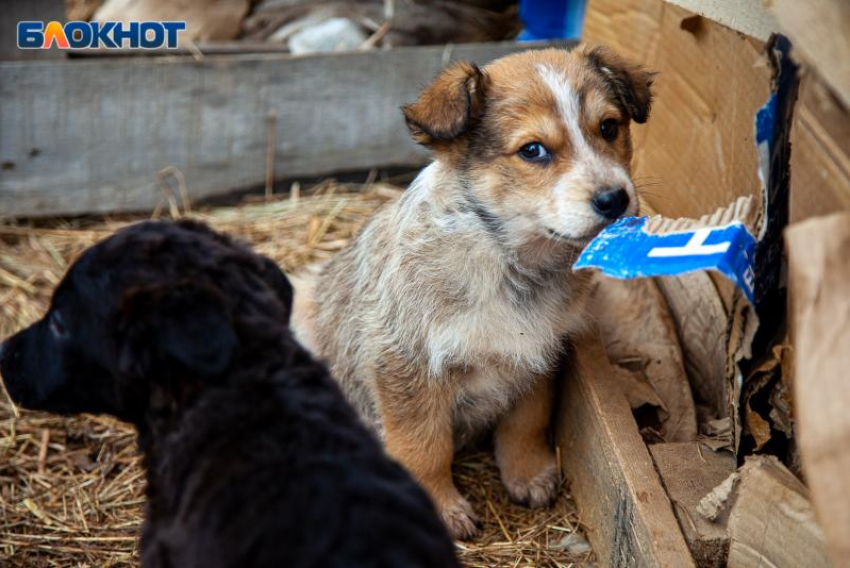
(551, 19)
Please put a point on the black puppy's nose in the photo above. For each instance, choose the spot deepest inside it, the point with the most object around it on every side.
(610, 202)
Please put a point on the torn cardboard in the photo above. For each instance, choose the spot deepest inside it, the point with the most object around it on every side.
(640, 337)
(696, 153)
(772, 522)
(820, 159)
(819, 276)
(768, 516)
(766, 409)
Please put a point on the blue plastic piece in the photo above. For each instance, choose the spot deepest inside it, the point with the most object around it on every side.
(625, 250)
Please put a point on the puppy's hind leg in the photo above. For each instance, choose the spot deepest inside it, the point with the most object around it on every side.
(525, 459)
(417, 420)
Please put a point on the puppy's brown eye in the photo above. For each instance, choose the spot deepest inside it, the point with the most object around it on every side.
(535, 152)
(609, 128)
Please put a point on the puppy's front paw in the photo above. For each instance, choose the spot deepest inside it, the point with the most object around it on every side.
(536, 490)
(460, 519)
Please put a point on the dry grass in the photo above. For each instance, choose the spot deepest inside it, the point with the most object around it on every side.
(72, 489)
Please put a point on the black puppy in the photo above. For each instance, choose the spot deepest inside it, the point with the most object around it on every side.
(253, 457)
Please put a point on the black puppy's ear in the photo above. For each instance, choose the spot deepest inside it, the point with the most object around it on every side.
(629, 83)
(449, 106)
(181, 328)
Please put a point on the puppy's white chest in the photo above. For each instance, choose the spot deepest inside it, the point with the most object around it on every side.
(491, 335)
(494, 383)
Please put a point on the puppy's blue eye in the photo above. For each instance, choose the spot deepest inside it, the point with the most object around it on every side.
(535, 152)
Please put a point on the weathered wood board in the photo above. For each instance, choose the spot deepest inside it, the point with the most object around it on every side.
(619, 494)
(91, 135)
(15, 11)
(689, 471)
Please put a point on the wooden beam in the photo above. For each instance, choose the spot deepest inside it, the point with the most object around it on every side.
(90, 135)
(619, 494)
(689, 471)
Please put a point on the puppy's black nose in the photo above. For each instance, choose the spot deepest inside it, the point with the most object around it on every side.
(610, 202)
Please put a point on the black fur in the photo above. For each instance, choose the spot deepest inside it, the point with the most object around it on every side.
(253, 457)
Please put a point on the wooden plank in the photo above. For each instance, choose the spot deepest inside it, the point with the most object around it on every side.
(619, 494)
(689, 471)
(819, 293)
(772, 522)
(199, 49)
(91, 135)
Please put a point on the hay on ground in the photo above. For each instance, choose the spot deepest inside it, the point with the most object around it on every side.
(72, 489)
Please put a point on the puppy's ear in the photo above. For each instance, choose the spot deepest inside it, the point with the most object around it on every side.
(629, 83)
(176, 329)
(449, 106)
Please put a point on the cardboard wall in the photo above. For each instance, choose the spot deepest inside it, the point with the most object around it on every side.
(820, 152)
(819, 282)
(820, 30)
(696, 153)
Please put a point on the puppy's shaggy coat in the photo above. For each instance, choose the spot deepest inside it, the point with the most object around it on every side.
(447, 313)
(253, 457)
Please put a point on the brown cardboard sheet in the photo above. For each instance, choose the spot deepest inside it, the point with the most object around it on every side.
(819, 284)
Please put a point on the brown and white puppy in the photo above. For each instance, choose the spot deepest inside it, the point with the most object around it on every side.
(446, 315)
